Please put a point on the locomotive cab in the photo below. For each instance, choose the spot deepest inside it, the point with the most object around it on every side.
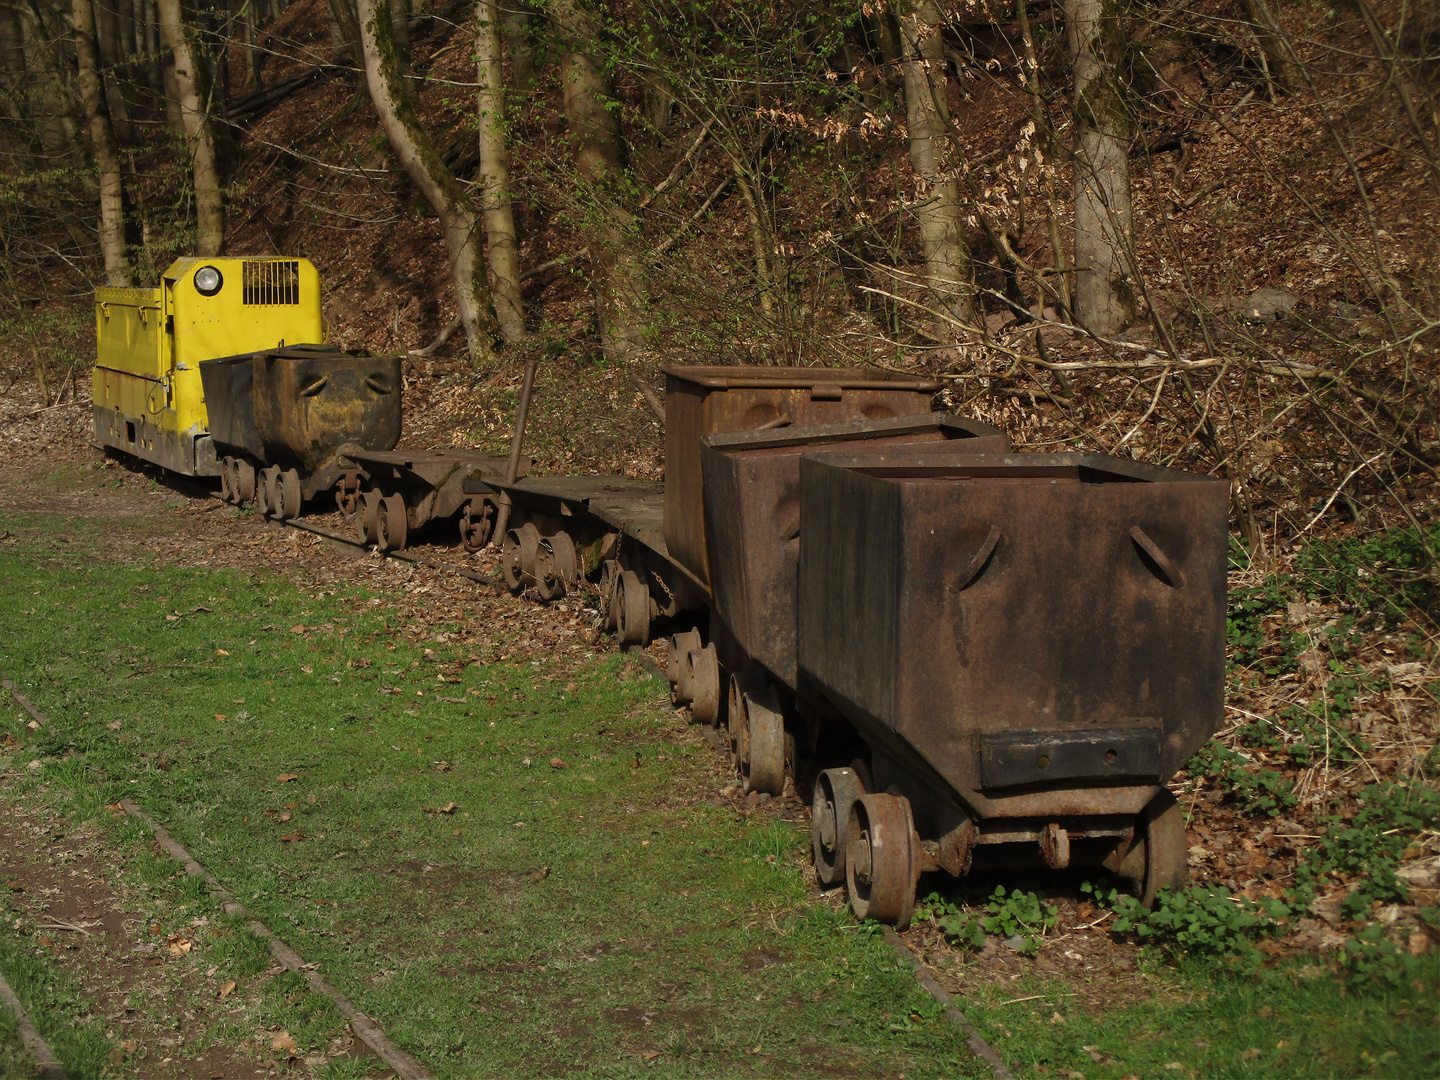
(147, 393)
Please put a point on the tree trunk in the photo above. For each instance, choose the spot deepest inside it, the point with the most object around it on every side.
(600, 163)
(1104, 223)
(1279, 57)
(253, 79)
(458, 216)
(102, 141)
(153, 51)
(199, 130)
(345, 31)
(400, 25)
(495, 172)
(949, 273)
(106, 34)
(516, 19)
(55, 127)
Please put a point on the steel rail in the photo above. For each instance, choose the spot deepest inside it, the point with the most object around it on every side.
(45, 1059)
(365, 1029)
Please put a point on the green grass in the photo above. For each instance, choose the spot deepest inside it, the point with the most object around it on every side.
(1294, 1021)
(597, 919)
(58, 1011)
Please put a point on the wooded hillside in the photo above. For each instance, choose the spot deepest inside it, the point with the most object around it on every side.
(1203, 233)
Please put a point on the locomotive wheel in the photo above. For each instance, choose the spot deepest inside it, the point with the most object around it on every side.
(835, 793)
(517, 556)
(367, 518)
(288, 486)
(881, 866)
(609, 582)
(243, 480)
(477, 519)
(682, 690)
(347, 495)
(632, 610)
(391, 528)
(1160, 859)
(227, 492)
(705, 685)
(763, 766)
(549, 584)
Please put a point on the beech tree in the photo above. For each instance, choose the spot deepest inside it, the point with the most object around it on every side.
(192, 97)
(600, 162)
(1105, 287)
(103, 145)
(949, 274)
(413, 147)
(495, 172)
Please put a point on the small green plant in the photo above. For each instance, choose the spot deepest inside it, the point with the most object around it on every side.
(1016, 914)
(1366, 847)
(1198, 922)
(1255, 789)
(1370, 959)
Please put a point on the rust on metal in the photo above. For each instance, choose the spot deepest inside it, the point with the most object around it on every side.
(702, 400)
(752, 515)
(297, 405)
(517, 437)
(1071, 639)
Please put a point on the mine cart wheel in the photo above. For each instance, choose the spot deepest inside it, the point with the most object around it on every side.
(763, 766)
(391, 528)
(549, 584)
(567, 559)
(835, 793)
(347, 495)
(270, 489)
(243, 480)
(227, 490)
(517, 556)
(609, 583)
(705, 685)
(367, 518)
(259, 502)
(288, 484)
(1166, 862)
(735, 719)
(682, 690)
(477, 519)
(881, 864)
(632, 610)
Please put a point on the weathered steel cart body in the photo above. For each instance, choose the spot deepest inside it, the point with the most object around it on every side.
(1030, 644)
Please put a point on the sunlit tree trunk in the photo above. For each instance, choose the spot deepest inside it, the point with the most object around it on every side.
(102, 142)
(516, 18)
(1104, 222)
(495, 172)
(949, 274)
(199, 129)
(600, 160)
(427, 171)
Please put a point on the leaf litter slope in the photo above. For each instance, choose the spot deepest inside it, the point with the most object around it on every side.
(593, 915)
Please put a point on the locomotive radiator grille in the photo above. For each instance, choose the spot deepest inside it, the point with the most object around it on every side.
(272, 281)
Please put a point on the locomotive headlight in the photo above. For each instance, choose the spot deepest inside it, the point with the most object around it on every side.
(208, 281)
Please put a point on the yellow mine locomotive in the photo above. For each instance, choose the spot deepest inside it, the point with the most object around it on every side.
(148, 396)
(223, 370)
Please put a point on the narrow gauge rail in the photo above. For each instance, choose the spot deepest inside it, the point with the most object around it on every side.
(978, 658)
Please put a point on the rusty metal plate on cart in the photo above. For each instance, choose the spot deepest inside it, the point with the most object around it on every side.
(1017, 758)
